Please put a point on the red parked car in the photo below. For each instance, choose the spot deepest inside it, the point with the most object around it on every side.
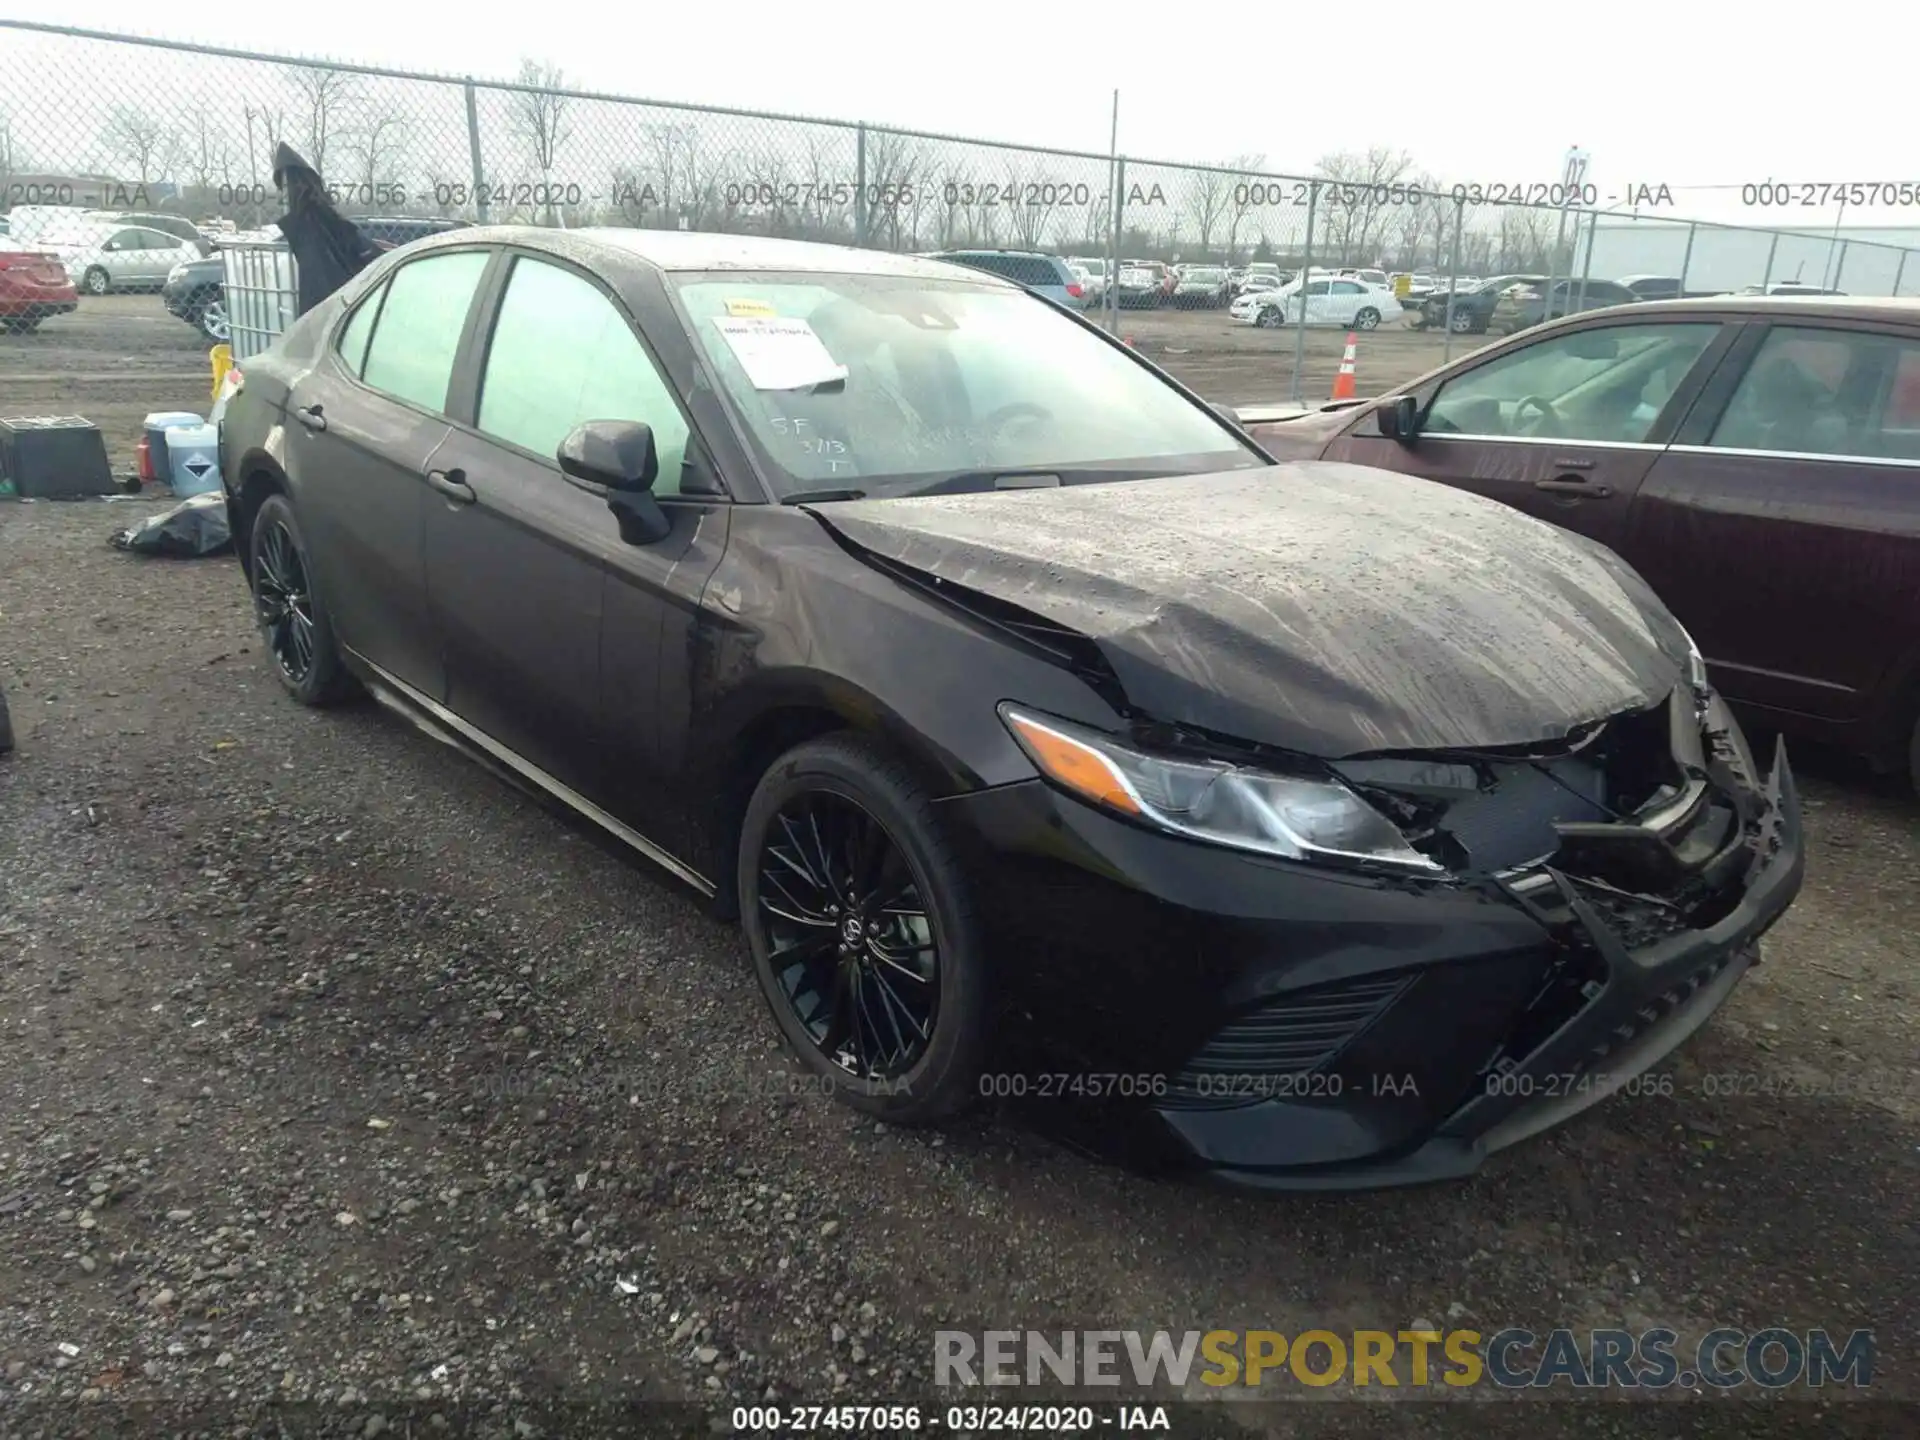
(1757, 460)
(33, 285)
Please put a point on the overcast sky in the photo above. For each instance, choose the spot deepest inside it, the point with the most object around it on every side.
(1697, 95)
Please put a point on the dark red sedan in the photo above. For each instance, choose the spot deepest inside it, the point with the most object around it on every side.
(1757, 460)
(33, 285)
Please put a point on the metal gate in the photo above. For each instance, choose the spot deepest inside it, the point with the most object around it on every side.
(263, 294)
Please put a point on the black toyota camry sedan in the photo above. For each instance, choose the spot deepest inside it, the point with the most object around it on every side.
(1300, 823)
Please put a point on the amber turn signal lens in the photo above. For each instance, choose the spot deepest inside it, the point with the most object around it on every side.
(1079, 767)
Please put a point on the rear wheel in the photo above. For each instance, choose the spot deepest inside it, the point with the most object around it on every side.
(292, 619)
(1368, 319)
(1462, 323)
(213, 320)
(863, 931)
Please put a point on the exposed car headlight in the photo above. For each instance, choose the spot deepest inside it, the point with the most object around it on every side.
(1212, 800)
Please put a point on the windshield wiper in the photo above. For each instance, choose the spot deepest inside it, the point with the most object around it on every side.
(809, 497)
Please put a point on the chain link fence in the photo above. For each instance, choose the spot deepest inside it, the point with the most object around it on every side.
(114, 150)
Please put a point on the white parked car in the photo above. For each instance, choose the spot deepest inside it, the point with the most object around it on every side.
(1330, 300)
(101, 258)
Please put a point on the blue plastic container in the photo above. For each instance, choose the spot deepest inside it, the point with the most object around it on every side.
(193, 451)
(157, 426)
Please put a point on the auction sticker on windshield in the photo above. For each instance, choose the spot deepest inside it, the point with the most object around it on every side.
(757, 309)
(779, 354)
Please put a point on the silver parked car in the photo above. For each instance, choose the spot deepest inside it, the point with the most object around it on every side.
(122, 257)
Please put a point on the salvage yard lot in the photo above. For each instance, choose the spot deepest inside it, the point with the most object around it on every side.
(119, 357)
(234, 934)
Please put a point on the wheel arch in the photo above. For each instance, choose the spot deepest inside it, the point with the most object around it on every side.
(786, 709)
(260, 477)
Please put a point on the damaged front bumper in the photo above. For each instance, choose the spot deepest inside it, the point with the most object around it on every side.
(1283, 1026)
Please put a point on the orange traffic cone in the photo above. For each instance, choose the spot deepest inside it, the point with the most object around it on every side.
(1343, 383)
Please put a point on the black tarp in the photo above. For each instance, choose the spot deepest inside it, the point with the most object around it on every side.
(190, 530)
(328, 249)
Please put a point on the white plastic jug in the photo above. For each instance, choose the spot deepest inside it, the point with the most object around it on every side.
(193, 453)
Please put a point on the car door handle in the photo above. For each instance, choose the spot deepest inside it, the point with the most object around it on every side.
(453, 485)
(1574, 485)
(311, 416)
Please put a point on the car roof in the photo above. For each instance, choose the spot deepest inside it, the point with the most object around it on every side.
(1833, 307)
(673, 250)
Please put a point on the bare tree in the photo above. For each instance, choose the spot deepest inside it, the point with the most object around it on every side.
(1365, 187)
(1248, 189)
(1032, 203)
(665, 144)
(138, 140)
(327, 98)
(538, 115)
(12, 159)
(1525, 237)
(898, 186)
(1205, 203)
(208, 161)
(379, 140)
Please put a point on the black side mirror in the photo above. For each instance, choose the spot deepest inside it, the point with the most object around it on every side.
(1399, 418)
(615, 459)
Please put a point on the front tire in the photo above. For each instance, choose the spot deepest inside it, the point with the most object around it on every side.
(292, 619)
(865, 940)
(1368, 319)
(1269, 318)
(1462, 323)
(96, 281)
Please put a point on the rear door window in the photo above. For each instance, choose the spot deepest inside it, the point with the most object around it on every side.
(358, 330)
(417, 335)
(1827, 392)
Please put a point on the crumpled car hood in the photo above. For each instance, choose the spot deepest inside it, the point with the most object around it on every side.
(1325, 608)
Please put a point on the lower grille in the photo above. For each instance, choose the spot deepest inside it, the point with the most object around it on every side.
(1656, 1011)
(1270, 1052)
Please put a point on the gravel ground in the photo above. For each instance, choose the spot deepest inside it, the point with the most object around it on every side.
(340, 1075)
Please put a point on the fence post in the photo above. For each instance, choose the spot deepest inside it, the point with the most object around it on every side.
(1116, 209)
(1306, 279)
(1586, 262)
(1772, 250)
(473, 151)
(860, 185)
(1686, 259)
(1453, 267)
(1900, 271)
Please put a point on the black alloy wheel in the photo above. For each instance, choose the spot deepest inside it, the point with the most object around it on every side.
(285, 603)
(291, 617)
(864, 939)
(853, 945)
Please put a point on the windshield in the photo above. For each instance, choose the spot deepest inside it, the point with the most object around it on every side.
(897, 384)
(1207, 277)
